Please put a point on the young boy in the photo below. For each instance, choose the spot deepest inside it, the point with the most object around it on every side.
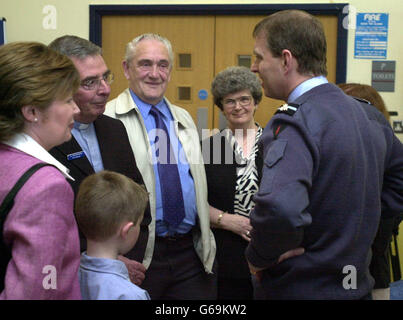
(109, 209)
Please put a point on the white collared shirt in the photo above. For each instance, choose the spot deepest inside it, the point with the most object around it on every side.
(27, 144)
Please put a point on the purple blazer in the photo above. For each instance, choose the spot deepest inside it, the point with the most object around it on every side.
(41, 231)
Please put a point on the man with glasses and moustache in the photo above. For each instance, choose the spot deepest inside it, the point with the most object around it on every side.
(99, 142)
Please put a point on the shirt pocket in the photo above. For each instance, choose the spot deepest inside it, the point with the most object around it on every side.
(273, 156)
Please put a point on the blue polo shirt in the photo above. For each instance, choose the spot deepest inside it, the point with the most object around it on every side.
(107, 279)
(187, 183)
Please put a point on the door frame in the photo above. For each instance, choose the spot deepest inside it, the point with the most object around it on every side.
(335, 9)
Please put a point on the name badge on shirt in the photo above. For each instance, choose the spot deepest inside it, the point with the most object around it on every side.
(76, 155)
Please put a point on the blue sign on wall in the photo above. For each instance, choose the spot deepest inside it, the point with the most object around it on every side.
(203, 94)
(371, 36)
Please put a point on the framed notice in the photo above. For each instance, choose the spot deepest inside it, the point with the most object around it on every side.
(371, 36)
(383, 75)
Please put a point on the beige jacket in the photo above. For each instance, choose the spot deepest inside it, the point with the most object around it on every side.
(124, 109)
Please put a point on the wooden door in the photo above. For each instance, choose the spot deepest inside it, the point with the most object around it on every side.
(192, 39)
(203, 46)
(234, 46)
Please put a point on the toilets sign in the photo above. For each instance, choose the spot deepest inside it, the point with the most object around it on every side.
(371, 36)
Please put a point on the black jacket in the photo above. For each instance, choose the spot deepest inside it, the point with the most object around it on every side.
(221, 183)
(117, 155)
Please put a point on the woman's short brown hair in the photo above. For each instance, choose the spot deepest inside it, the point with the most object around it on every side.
(105, 200)
(366, 92)
(235, 79)
(31, 74)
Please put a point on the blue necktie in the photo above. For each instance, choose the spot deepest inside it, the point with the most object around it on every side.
(171, 190)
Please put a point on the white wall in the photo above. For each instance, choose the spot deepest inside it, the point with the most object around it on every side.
(25, 20)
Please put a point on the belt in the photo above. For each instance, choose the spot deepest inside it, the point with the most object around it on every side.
(175, 236)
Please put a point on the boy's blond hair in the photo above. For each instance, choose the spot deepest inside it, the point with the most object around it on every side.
(105, 200)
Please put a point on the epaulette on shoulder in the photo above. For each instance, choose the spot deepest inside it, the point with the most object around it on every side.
(362, 100)
(288, 108)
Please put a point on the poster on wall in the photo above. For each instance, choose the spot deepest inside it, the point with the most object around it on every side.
(2, 31)
(371, 36)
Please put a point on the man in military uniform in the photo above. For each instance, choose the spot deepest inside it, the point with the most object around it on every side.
(332, 164)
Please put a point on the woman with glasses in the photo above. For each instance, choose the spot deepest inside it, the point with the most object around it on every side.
(233, 167)
(39, 239)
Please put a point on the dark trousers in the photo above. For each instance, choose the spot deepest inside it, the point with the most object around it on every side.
(176, 272)
(235, 289)
(380, 266)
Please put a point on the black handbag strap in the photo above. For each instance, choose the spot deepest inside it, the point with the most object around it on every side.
(8, 201)
(6, 206)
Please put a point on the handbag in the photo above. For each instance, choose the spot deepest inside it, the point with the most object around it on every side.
(5, 208)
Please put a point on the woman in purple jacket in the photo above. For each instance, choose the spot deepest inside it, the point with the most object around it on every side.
(36, 114)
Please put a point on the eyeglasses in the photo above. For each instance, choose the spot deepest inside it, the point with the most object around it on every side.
(94, 83)
(244, 101)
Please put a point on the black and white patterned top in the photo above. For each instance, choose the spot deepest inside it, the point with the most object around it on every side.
(247, 175)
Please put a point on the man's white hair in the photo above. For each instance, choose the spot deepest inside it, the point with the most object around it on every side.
(132, 46)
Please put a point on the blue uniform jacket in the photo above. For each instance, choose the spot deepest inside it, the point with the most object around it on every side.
(327, 176)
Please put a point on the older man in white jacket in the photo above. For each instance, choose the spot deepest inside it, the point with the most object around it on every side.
(179, 258)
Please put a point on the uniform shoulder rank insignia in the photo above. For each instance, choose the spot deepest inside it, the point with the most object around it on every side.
(288, 108)
(362, 100)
